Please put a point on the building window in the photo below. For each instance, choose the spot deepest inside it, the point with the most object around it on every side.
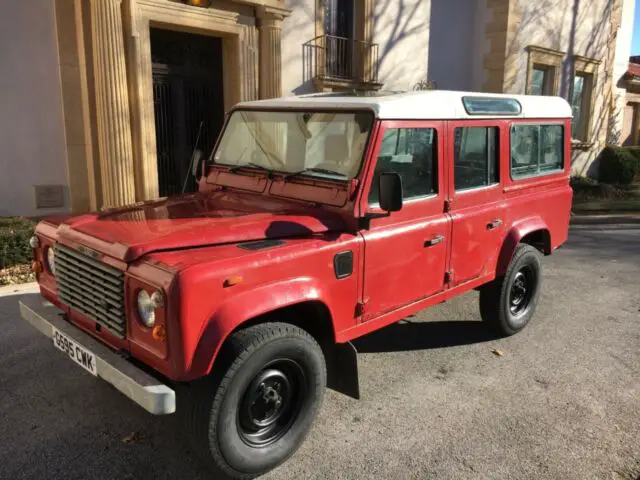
(536, 150)
(580, 106)
(542, 80)
(582, 97)
(411, 152)
(475, 157)
(543, 74)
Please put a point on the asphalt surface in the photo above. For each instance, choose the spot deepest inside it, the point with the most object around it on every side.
(562, 402)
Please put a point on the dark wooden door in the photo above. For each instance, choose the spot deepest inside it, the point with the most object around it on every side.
(187, 90)
(338, 28)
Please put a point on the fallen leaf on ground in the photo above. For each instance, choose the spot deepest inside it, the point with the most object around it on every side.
(16, 274)
(497, 352)
(131, 438)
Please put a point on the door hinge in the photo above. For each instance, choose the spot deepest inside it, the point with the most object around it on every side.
(447, 205)
(448, 277)
(361, 307)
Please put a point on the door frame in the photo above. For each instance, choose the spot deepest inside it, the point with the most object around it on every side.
(472, 197)
(180, 114)
(239, 71)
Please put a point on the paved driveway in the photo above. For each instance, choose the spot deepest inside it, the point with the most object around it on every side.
(563, 402)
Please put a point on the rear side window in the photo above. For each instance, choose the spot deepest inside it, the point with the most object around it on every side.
(536, 150)
(411, 152)
(475, 157)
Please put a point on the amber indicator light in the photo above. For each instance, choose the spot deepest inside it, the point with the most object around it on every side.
(230, 282)
(159, 332)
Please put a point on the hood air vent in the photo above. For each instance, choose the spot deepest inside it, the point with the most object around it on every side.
(260, 244)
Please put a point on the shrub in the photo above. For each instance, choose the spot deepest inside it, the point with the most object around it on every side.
(587, 189)
(635, 151)
(619, 165)
(14, 241)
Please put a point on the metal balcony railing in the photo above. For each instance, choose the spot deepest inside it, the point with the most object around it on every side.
(337, 58)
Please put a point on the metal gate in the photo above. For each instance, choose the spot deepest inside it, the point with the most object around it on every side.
(187, 89)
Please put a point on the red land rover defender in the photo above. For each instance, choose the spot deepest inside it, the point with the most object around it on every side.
(318, 219)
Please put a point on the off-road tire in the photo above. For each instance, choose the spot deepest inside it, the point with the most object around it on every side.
(212, 404)
(496, 298)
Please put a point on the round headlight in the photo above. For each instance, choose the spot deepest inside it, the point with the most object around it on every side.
(146, 309)
(51, 260)
(34, 242)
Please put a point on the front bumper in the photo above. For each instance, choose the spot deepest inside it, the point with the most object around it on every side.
(152, 395)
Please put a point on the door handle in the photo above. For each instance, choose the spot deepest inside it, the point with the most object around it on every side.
(495, 224)
(434, 241)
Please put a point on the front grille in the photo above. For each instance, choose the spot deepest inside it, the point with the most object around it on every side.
(92, 288)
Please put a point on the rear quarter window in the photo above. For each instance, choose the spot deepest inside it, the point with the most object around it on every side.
(536, 150)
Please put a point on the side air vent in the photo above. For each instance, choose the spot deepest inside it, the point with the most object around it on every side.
(343, 264)
(260, 244)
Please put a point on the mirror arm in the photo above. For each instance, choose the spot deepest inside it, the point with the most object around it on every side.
(364, 222)
(371, 215)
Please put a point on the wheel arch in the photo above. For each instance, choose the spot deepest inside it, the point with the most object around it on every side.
(306, 309)
(532, 231)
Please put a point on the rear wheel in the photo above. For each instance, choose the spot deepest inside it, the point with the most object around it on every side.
(261, 408)
(508, 303)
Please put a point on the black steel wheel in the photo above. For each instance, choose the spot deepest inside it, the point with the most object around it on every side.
(255, 411)
(508, 303)
(522, 290)
(271, 403)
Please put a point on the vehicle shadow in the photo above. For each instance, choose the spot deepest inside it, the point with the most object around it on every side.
(408, 335)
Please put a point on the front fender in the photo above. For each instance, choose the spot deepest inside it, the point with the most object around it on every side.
(245, 306)
(518, 231)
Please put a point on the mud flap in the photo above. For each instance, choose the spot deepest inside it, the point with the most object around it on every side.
(342, 370)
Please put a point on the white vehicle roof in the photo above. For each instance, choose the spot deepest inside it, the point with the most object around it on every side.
(427, 104)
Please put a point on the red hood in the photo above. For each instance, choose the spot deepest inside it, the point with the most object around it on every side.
(194, 221)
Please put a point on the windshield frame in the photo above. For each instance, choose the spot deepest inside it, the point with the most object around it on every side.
(365, 109)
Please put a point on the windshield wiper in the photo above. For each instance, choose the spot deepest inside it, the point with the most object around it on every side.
(248, 165)
(312, 170)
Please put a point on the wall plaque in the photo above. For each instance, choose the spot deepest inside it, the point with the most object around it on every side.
(49, 196)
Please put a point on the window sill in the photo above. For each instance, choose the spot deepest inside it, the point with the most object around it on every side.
(581, 144)
(322, 83)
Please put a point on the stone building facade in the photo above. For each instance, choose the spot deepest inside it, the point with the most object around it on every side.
(631, 117)
(104, 100)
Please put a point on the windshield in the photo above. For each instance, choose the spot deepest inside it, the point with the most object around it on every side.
(329, 145)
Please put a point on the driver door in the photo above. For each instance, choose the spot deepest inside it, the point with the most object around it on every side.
(405, 253)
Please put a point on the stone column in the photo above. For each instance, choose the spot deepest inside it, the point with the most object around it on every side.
(270, 63)
(270, 71)
(112, 103)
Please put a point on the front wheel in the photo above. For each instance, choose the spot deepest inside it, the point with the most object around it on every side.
(260, 410)
(508, 303)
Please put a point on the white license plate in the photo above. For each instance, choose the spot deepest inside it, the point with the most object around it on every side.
(75, 352)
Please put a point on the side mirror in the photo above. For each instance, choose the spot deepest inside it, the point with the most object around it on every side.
(390, 188)
(195, 162)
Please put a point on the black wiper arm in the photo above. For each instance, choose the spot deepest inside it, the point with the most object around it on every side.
(248, 165)
(314, 169)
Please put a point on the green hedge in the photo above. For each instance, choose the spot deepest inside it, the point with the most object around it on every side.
(14, 241)
(619, 165)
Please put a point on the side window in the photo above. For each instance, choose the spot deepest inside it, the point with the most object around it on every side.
(475, 157)
(411, 152)
(536, 150)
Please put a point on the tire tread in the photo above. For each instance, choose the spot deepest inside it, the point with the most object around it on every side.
(238, 347)
(492, 295)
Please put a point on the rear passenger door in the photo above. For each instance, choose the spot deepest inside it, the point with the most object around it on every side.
(405, 253)
(476, 203)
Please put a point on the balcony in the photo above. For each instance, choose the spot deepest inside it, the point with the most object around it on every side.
(341, 63)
